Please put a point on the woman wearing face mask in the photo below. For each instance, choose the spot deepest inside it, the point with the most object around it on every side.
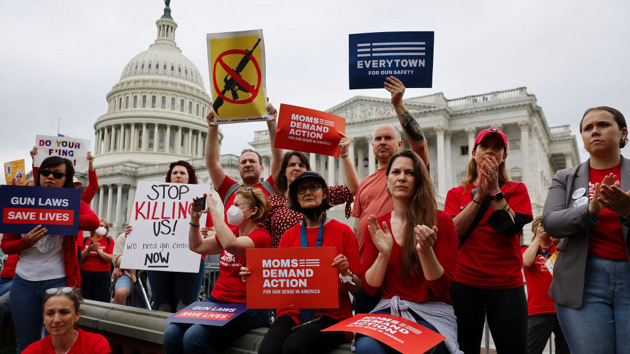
(96, 255)
(293, 164)
(298, 331)
(249, 208)
(46, 261)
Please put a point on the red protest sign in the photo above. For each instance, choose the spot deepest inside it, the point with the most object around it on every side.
(308, 130)
(292, 278)
(401, 334)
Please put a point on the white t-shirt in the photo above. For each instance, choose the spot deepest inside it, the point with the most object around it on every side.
(43, 261)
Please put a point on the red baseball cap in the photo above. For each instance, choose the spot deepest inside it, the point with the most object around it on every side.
(496, 131)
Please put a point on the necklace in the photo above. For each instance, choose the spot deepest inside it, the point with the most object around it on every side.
(75, 340)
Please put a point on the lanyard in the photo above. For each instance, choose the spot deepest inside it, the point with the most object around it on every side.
(320, 234)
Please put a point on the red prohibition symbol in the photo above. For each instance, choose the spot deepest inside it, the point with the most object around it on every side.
(249, 88)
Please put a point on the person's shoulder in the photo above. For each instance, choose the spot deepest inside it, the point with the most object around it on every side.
(95, 343)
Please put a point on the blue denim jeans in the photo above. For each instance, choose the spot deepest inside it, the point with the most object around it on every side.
(27, 305)
(138, 299)
(172, 291)
(95, 285)
(5, 285)
(369, 345)
(186, 338)
(602, 324)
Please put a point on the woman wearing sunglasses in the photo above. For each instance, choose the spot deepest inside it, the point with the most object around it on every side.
(61, 313)
(249, 208)
(46, 261)
(295, 330)
(293, 164)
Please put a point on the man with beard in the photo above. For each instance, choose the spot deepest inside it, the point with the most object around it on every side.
(371, 198)
(249, 167)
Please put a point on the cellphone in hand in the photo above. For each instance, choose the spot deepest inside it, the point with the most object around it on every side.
(200, 204)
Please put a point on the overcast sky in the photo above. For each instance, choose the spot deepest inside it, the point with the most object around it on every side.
(58, 59)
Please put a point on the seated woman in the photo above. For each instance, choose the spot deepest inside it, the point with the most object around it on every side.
(127, 290)
(411, 256)
(294, 331)
(96, 263)
(249, 208)
(293, 164)
(61, 313)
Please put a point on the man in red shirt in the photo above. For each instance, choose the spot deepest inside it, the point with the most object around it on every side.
(250, 164)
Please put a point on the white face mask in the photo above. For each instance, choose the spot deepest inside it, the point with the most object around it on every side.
(101, 231)
(235, 215)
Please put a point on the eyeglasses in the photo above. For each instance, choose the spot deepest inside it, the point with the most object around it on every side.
(56, 175)
(66, 290)
(250, 189)
(313, 188)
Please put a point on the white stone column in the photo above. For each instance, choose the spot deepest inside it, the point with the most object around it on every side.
(145, 137)
(448, 161)
(439, 130)
(568, 160)
(471, 139)
(178, 141)
(331, 171)
(371, 156)
(130, 198)
(133, 142)
(117, 221)
(525, 150)
(351, 156)
(110, 197)
(322, 164)
(312, 159)
(198, 144)
(189, 146)
(97, 140)
(121, 137)
(340, 171)
(101, 195)
(106, 140)
(167, 139)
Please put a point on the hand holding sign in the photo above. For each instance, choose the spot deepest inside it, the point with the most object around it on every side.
(33, 236)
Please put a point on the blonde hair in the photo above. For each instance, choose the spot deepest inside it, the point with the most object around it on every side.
(256, 198)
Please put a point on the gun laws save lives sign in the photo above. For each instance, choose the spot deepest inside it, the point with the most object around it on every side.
(159, 220)
(292, 278)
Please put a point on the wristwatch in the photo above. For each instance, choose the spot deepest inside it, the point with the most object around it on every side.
(497, 196)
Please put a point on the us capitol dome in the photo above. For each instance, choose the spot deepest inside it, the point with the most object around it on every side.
(156, 115)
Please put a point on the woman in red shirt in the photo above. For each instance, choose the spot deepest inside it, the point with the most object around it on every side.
(295, 330)
(489, 212)
(46, 261)
(411, 255)
(249, 208)
(96, 256)
(61, 313)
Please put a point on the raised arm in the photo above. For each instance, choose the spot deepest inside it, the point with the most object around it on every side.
(92, 187)
(276, 154)
(352, 179)
(217, 175)
(411, 128)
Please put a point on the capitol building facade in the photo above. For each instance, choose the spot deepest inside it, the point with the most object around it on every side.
(156, 115)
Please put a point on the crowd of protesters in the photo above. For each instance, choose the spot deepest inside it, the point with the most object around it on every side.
(449, 270)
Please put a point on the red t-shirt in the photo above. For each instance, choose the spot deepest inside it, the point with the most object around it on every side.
(8, 270)
(606, 240)
(336, 235)
(417, 288)
(538, 280)
(227, 183)
(93, 262)
(371, 199)
(489, 259)
(229, 287)
(86, 342)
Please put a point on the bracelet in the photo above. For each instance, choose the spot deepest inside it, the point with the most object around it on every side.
(476, 202)
(344, 156)
(346, 278)
(508, 210)
(194, 225)
(506, 205)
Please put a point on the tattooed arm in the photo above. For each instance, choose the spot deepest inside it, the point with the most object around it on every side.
(411, 127)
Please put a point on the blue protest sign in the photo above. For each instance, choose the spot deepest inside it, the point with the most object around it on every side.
(405, 55)
(56, 209)
(208, 313)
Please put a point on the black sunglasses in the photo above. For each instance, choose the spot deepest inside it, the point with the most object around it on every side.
(250, 189)
(57, 175)
(313, 188)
